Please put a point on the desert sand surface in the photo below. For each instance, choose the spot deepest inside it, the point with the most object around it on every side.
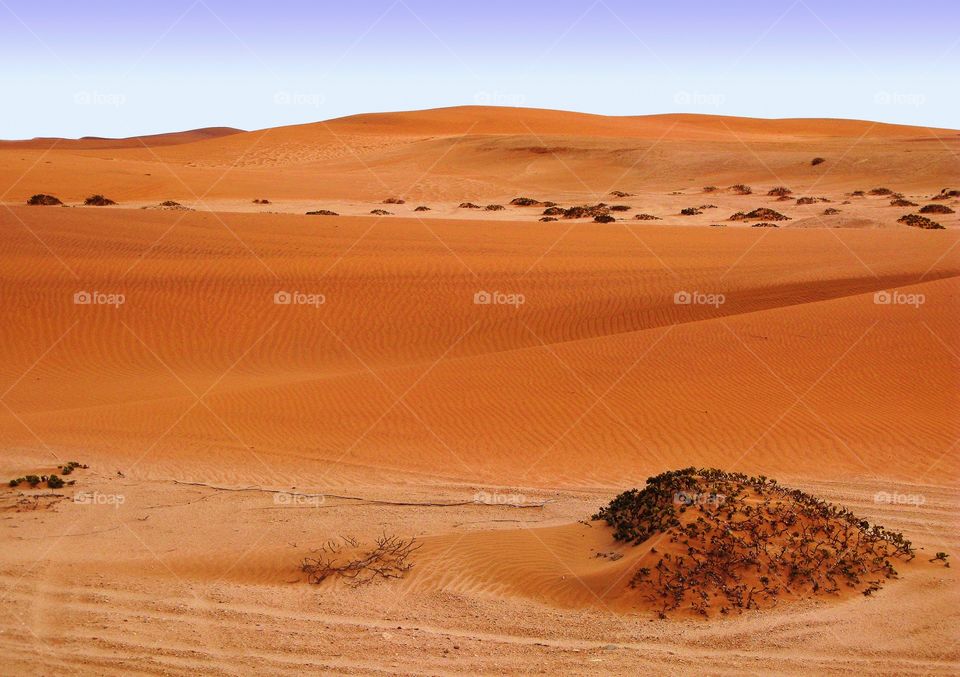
(229, 436)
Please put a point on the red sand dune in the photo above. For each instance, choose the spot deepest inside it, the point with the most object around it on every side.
(102, 143)
(198, 397)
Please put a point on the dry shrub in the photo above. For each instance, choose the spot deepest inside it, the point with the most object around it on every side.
(936, 209)
(917, 221)
(389, 558)
(760, 213)
(44, 200)
(98, 201)
(578, 212)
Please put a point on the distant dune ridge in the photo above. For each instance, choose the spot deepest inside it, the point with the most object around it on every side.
(484, 155)
(103, 143)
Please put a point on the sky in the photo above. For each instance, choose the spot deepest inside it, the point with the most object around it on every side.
(108, 68)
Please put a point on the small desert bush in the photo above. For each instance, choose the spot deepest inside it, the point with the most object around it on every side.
(586, 211)
(98, 201)
(917, 221)
(936, 209)
(760, 213)
(44, 200)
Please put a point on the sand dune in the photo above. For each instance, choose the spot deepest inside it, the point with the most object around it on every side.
(229, 436)
(489, 155)
(102, 143)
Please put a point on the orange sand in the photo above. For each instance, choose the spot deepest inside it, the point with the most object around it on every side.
(399, 388)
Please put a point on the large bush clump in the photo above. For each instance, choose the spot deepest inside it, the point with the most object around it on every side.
(719, 542)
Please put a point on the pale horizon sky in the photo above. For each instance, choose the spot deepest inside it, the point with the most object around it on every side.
(110, 68)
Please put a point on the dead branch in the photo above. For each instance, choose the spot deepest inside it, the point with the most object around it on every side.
(387, 559)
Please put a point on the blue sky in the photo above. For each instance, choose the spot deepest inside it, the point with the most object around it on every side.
(111, 68)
